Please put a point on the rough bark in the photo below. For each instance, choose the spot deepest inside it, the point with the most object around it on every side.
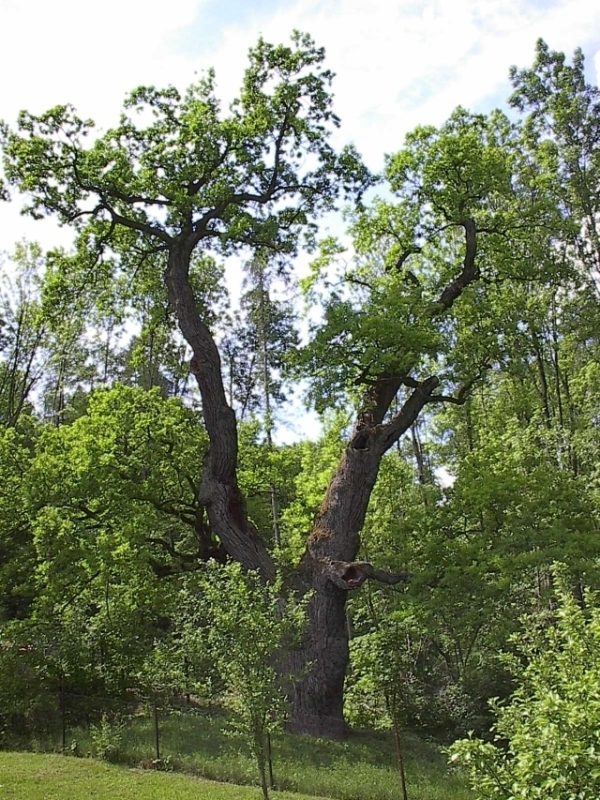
(219, 490)
(328, 567)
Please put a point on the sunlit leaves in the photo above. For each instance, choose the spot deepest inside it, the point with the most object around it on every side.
(176, 165)
(385, 312)
(550, 724)
(562, 127)
(245, 628)
(107, 487)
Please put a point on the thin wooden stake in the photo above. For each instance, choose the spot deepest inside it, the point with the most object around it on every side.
(270, 762)
(400, 758)
(63, 712)
(156, 730)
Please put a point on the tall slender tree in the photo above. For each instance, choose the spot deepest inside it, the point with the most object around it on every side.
(22, 333)
(266, 335)
(563, 124)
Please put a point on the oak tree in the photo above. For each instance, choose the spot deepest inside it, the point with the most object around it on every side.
(409, 324)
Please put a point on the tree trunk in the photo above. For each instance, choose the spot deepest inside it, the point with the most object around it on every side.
(219, 490)
(317, 696)
(328, 568)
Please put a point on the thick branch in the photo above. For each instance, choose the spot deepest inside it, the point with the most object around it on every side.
(459, 400)
(406, 254)
(135, 225)
(409, 412)
(133, 199)
(193, 187)
(468, 274)
(463, 393)
(219, 490)
(170, 549)
(382, 391)
(127, 222)
(200, 227)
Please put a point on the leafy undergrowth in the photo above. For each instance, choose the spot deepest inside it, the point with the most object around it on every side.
(33, 776)
(360, 768)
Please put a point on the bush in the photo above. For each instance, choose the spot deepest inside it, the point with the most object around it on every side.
(547, 738)
(106, 739)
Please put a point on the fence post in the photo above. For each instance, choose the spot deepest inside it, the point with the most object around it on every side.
(270, 761)
(399, 756)
(63, 712)
(156, 730)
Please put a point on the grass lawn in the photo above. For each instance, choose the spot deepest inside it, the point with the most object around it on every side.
(35, 776)
(361, 768)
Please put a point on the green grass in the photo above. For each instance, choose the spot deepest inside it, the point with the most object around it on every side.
(33, 776)
(360, 768)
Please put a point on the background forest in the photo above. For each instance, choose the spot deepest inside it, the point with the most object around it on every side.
(453, 331)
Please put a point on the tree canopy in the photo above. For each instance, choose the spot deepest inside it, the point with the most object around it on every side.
(452, 330)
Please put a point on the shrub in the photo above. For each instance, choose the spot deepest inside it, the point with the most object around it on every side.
(547, 737)
(107, 738)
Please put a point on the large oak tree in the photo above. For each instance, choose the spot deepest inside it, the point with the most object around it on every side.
(412, 323)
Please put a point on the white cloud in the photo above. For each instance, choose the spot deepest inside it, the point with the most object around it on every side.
(86, 54)
(405, 63)
(397, 64)
(89, 55)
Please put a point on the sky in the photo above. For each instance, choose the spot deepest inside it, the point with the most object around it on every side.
(397, 64)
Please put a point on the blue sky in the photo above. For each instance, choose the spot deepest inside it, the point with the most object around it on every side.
(214, 18)
(397, 64)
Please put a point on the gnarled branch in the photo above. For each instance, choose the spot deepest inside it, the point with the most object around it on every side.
(468, 274)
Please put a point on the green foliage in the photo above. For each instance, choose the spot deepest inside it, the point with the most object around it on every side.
(314, 464)
(381, 667)
(113, 483)
(106, 738)
(256, 354)
(97, 520)
(562, 124)
(23, 332)
(387, 313)
(21, 681)
(263, 468)
(17, 580)
(552, 720)
(247, 627)
(99, 510)
(175, 166)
